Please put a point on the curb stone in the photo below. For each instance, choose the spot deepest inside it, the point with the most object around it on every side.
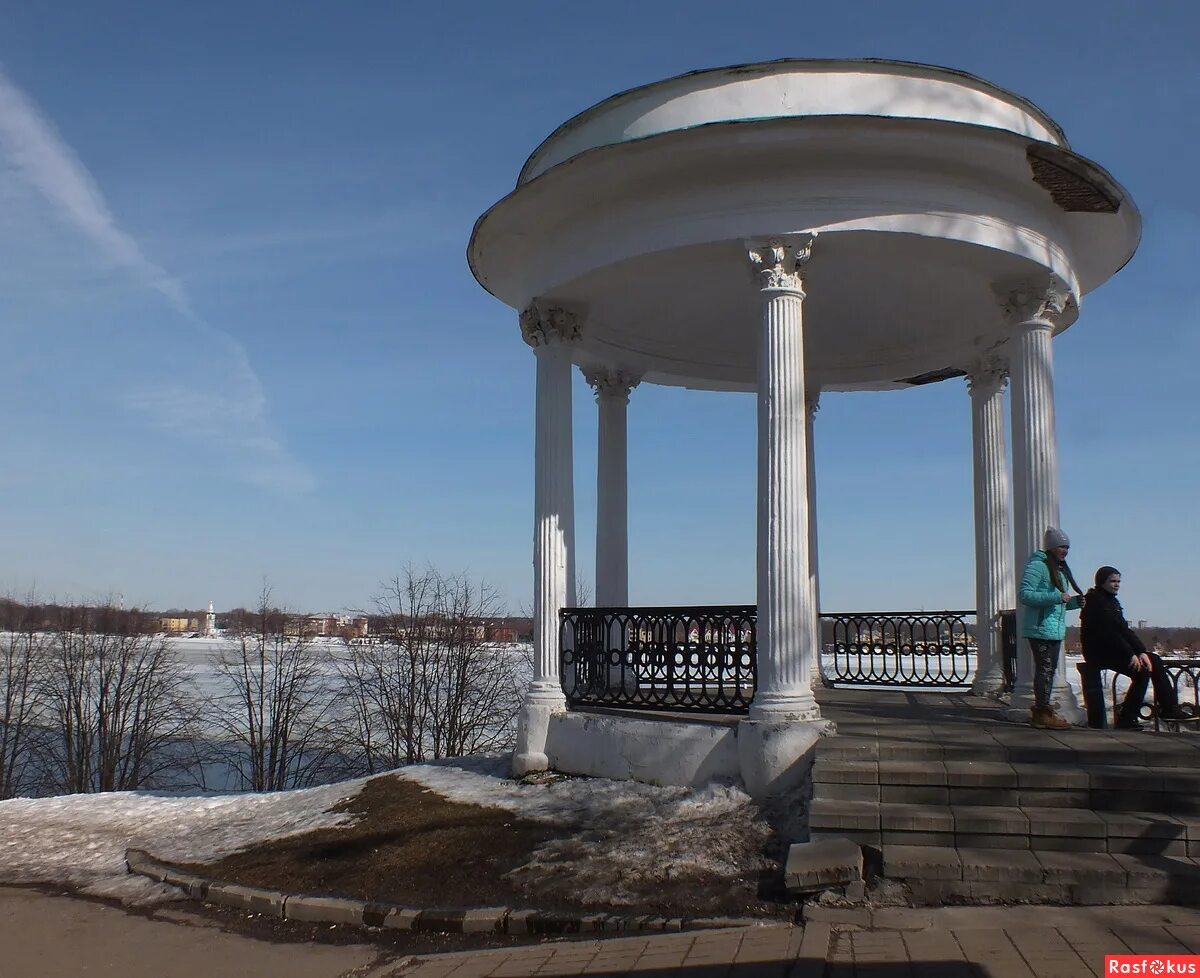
(308, 908)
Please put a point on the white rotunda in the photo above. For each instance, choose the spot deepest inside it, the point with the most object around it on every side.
(784, 228)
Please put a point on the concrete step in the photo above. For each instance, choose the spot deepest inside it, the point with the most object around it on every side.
(951, 781)
(1012, 827)
(939, 875)
(1021, 745)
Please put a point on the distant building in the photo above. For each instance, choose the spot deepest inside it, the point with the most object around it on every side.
(335, 626)
(506, 630)
(177, 624)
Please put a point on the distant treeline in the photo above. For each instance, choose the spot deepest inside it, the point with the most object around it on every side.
(1163, 639)
(93, 697)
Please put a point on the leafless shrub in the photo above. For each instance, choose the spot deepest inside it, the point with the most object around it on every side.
(22, 663)
(476, 689)
(116, 701)
(274, 716)
(427, 685)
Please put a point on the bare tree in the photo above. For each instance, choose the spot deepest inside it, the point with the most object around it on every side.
(476, 689)
(22, 662)
(427, 685)
(116, 697)
(384, 707)
(274, 715)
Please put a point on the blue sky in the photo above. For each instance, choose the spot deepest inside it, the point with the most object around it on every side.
(241, 339)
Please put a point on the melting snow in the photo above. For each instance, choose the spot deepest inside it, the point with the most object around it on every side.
(80, 840)
(625, 838)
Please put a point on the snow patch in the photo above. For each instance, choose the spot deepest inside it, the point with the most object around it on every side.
(80, 840)
(623, 842)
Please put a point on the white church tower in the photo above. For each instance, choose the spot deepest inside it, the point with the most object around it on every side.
(210, 622)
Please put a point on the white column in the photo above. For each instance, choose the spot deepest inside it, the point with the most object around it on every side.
(550, 331)
(786, 605)
(812, 404)
(1035, 462)
(995, 588)
(612, 389)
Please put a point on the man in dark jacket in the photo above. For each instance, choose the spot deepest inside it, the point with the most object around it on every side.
(1109, 643)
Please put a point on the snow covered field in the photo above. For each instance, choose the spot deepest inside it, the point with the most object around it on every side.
(200, 655)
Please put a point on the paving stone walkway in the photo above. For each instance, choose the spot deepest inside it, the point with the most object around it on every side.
(43, 936)
(968, 942)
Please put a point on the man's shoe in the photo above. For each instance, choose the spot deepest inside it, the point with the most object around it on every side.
(1128, 723)
(1176, 714)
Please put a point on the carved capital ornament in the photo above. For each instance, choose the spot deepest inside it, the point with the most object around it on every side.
(1036, 306)
(987, 375)
(607, 382)
(542, 325)
(777, 262)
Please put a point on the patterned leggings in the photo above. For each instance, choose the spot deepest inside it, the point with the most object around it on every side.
(1045, 662)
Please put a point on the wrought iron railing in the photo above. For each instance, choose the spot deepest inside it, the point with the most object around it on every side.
(699, 659)
(904, 648)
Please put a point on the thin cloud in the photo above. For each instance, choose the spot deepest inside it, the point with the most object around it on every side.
(33, 150)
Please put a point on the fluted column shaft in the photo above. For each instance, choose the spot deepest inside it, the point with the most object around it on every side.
(1035, 470)
(1035, 447)
(812, 405)
(995, 588)
(786, 607)
(550, 333)
(612, 486)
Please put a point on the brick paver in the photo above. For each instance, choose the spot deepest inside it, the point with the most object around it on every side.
(1000, 942)
(1187, 935)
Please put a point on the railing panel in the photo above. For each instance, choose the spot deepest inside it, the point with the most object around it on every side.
(911, 649)
(696, 659)
(704, 659)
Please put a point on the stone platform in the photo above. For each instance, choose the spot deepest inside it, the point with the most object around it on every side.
(961, 806)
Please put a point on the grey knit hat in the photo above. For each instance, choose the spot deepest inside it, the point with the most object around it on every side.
(1055, 538)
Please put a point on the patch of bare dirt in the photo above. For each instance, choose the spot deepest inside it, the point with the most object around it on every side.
(411, 846)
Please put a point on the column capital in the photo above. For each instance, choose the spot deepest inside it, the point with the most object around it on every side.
(777, 262)
(610, 382)
(987, 375)
(1036, 305)
(544, 323)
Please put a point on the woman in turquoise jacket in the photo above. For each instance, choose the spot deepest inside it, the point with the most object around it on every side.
(1046, 599)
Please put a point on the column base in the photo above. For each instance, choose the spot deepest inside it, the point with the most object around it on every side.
(799, 706)
(990, 685)
(540, 704)
(775, 756)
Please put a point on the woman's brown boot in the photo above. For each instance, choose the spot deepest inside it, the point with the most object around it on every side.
(1044, 718)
